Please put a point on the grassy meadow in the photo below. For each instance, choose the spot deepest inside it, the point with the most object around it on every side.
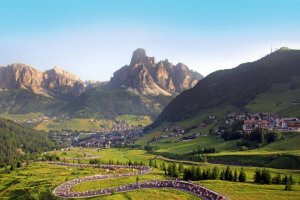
(75, 124)
(79, 124)
(125, 155)
(284, 153)
(20, 116)
(277, 100)
(135, 120)
(250, 191)
(146, 194)
(91, 124)
(101, 184)
(36, 180)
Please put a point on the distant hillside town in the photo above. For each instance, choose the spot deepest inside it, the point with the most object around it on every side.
(264, 121)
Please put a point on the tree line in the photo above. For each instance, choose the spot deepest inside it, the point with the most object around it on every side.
(264, 176)
(195, 173)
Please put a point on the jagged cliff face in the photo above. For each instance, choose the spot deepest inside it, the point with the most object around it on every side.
(143, 76)
(53, 82)
(61, 82)
(146, 76)
(18, 76)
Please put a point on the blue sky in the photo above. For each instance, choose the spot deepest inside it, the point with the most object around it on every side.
(93, 38)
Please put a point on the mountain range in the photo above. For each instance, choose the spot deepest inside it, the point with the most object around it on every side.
(146, 76)
(270, 84)
(54, 82)
(144, 87)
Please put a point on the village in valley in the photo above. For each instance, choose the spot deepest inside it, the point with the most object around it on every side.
(149, 100)
(249, 122)
(110, 139)
(272, 122)
(122, 134)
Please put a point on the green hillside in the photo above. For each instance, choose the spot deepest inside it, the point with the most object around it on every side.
(97, 102)
(281, 98)
(24, 102)
(284, 153)
(110, 103)
(135, 120)
(74, 124)
(16, 141)
(269, 84)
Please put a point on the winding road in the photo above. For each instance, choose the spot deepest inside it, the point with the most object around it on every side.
(65, 190)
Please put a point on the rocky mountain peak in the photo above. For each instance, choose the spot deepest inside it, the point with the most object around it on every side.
(139, 53)
(19, 75)
(52, 82)
(145, 76)
(139, 56)
(182, 66)
(58, 71)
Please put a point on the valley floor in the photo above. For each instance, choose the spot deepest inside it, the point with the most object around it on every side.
(38, 179)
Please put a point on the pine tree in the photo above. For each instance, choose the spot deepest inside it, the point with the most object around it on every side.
(235, 176)
(163, 166)
(175, 170)
(277, 179)
(215, 173)
(257, 176)
(285, 179)
(265, 176)
(180, 168)
(204, 175)
(198, 174)
(227, 173)
(155, 164)
(242, 176)
(268, 179)
(230, 178)
(170, 170)
(288, 185)
(187, 174)
(292, 181)
(222, 175)
(194, 173)
(208, 174)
